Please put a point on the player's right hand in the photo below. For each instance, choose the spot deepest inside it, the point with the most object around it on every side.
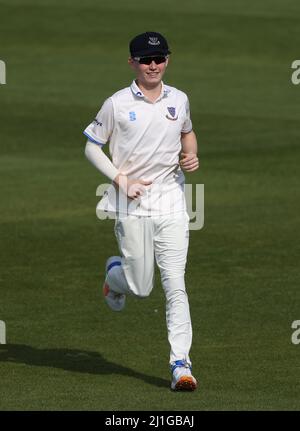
(133, 187)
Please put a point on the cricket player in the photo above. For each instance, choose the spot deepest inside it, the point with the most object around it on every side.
(151, 142)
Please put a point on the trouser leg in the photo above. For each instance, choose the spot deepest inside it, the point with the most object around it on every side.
(136, 272)
(178, 319)
(171, 245)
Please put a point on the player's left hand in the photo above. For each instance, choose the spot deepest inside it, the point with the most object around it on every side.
(189, 162)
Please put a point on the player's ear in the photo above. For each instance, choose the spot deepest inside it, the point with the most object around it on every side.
(131, 62)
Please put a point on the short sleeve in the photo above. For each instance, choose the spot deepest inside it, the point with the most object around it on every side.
(187, 125)
(100, 129)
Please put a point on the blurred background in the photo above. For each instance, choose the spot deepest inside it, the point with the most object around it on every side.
(65, 350)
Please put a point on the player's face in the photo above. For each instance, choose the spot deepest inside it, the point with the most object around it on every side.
(150, 75)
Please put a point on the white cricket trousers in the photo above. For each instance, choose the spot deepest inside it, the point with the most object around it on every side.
(165, 238)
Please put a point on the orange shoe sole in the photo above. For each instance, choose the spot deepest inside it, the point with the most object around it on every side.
(185, 383)
(105, 289)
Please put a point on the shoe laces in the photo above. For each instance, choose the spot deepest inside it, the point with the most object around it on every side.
(180, 364)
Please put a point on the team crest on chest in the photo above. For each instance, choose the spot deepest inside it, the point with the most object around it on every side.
(172, 112)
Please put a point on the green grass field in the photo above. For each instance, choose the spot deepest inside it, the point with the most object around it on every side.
(66, 350)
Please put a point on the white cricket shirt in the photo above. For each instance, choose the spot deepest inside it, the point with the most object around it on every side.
(144, 142)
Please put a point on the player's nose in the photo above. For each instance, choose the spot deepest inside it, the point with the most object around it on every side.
(152, 65)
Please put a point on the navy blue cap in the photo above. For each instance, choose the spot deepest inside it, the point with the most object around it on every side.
(149, 43)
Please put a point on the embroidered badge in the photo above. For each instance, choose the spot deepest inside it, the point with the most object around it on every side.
(153, 41)
(172, 112)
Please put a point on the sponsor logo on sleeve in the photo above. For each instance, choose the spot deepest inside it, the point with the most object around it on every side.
(98, 123)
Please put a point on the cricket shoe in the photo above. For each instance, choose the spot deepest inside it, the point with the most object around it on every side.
(116, 301)
(182, 378)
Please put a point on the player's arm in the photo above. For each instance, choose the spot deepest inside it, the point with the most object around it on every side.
(99, 159)
(189, 160)
(99, 133)
(132, 187)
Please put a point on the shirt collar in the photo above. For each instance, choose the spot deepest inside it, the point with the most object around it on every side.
(138, 92)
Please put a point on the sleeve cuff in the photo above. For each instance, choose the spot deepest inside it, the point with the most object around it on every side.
(187, 131)
(92, 139)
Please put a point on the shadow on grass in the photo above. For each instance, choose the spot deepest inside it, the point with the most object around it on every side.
(72, 360)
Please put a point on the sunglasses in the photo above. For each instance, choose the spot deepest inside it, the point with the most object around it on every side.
(148, 60)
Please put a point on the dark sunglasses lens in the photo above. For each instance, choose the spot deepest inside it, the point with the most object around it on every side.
(148, 60)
